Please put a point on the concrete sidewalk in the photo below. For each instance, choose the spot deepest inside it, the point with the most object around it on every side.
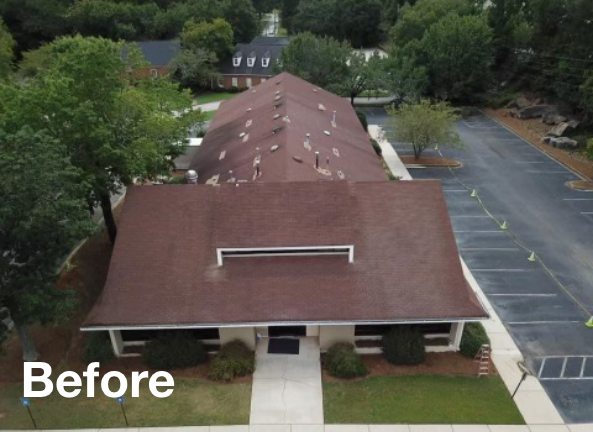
(287, 388)
(389, 155)
(210, 106)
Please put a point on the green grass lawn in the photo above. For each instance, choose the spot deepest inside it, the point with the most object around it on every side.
(194, 402)
(420, 399)
(209, 115)
(214, 97)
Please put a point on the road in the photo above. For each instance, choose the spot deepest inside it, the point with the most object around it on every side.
(544, 311)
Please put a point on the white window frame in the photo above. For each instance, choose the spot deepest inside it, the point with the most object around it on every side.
(251, 60)
(285, 251)
(237, 59)
(234, 82)
(154, 73)
(248, 82)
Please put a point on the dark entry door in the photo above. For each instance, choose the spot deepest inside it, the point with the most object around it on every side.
(284, 331)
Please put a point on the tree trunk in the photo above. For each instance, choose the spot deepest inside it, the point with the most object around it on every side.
(417, 152)
(352, 96)
(108, 216)
(27, 344)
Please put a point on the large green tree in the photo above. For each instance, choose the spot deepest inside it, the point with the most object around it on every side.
(458, 53)
(7, 45)
(215, 36)
(320, 60)
(424, 124)
(415, 19)
(43, 214)
(115, 127)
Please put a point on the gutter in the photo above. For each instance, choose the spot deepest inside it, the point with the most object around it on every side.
(277, 324)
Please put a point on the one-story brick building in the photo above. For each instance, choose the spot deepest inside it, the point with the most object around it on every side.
(293, 230)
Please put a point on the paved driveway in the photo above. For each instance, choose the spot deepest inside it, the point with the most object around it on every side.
(287, 388)
(521, 185)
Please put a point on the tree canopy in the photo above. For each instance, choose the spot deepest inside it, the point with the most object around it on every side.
(112, 130)
(42, 216)
(6, 51)
(424, 124)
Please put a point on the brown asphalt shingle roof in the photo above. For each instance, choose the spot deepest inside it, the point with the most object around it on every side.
(164, 270)
(347, 147)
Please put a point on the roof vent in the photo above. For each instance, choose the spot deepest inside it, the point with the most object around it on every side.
(242, 134)
(222, 155)
(248, 109)
(191, 177)
(327, 133)
(278, 82)
(245, 138)
(248, 123)
(276, 116)
(213, 180)
(274, 148)
(308, 142)
(276, 129)
(277, 97)
(253, 91)
(277, 92)
(237, 59)
(251, 59)
(341, 175)
(321, 107)
(336, 151)
(315, 90)
(297, 159)
(277, 104)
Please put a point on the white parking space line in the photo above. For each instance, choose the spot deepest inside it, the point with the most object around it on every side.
(542, 322)
(470, 216)
(489, 249)
(522, 295)
(547, 172)
(501, 270)
(577, 199)
(455, 190)
(533, 162)
(587, 213)
(480, 232)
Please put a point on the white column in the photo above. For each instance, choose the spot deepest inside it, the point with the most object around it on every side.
(116, 342)
(455, 334)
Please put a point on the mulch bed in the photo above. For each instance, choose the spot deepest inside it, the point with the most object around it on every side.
(435, 364)
(430, 161)
(533, 130)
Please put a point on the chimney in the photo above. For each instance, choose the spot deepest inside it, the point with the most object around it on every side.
(308, 140)
(316, 160)
(334, 117)
(327, 161)
(257, 172)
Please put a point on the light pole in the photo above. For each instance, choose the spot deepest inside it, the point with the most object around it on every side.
(27, 404)
(121, 400)
(523, 368)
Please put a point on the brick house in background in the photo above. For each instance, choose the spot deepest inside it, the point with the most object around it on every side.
(159, 55)
(251, 64)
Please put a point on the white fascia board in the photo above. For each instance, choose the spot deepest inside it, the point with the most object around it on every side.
(278, 324)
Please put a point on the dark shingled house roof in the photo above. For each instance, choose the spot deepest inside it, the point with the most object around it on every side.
(164, 267)
(161, 52)
(262, 47)
(270, 123)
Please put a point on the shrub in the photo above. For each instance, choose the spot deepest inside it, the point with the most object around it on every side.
(404, 345)
(474, 336)
(98, 348)
(363, 119)
(376, 147)
(391, 177)
(342, 361)
(234, 359)
(234, 89)
(174, 350)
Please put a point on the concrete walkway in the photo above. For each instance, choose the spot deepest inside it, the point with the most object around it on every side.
(287, 388)
(389, 155)
(210, 106)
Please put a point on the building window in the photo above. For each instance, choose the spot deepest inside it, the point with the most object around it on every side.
(251, 60)
(234, 82)
(237, 59)
(248, 82)
(154, 73)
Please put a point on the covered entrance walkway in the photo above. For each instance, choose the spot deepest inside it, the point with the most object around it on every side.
(287, 387)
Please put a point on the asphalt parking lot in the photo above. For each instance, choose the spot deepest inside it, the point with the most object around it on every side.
(545, 314)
